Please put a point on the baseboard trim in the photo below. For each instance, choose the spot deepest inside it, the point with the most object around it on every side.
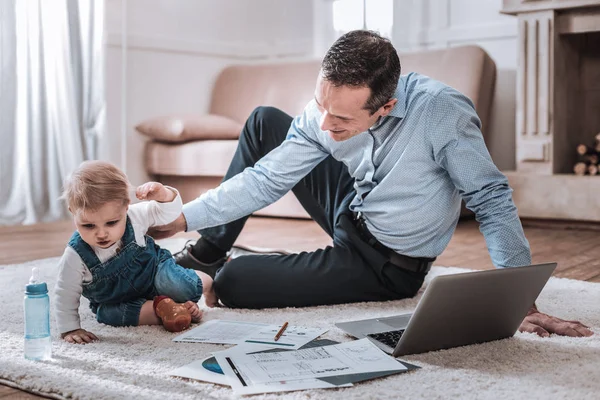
(562, 224)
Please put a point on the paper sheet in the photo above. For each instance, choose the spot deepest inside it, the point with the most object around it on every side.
(209, 370)
(293, 337)
(220, 332)
(242, 385)
(360, 356)
(236, 332)
(287, 386)
(206, 370)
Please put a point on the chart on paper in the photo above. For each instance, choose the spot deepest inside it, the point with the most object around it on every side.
(359, 356)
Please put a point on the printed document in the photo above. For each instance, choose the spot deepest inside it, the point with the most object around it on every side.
(360, 356)
(238, 332)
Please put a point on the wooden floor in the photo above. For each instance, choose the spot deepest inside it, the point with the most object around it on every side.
(576, 248)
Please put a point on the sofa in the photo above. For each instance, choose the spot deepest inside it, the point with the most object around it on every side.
(192, 152)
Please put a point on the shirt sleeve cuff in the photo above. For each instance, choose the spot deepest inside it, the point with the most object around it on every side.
(68, 326)
(194, 213)
(175, 204)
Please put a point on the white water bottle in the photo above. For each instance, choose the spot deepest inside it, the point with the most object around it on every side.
(36, 304)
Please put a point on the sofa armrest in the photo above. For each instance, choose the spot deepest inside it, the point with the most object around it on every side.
(178, 129)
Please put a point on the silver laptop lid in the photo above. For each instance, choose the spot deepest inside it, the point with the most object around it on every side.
(473, 307)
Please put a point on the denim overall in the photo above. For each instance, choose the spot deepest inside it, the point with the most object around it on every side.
(122, 284)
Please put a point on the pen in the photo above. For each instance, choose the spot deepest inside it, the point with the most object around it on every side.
(283, 328)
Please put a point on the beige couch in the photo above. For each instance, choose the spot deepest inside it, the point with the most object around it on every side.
(192, 153)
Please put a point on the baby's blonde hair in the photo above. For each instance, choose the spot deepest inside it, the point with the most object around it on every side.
(94, 184)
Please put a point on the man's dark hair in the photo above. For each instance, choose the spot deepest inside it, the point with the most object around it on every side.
(364, 58)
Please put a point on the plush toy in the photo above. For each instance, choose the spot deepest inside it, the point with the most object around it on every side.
(175, 316)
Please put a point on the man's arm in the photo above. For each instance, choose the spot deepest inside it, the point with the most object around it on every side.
(459, 148)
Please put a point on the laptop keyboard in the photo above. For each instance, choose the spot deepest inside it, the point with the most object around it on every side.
(390, 338)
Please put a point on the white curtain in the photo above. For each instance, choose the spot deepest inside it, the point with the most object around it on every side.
(52, 106)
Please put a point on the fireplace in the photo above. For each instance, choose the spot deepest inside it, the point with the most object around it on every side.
(558, 106)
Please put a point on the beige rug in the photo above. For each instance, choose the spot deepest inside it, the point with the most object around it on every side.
(134, 362)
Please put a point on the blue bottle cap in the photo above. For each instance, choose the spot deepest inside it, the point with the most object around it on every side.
(35, 286)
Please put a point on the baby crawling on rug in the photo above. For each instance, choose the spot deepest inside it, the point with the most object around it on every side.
(110, 260)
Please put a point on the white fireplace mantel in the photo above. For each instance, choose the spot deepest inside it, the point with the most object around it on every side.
(558, 106)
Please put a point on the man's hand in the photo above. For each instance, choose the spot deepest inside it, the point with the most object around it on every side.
(165, 231)
(155, 191)
(544, 325)
(79, 336)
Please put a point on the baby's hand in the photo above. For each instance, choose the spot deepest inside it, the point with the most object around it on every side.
(79, 336)
(154, 191)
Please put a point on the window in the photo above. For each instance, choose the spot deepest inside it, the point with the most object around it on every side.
(375, 15)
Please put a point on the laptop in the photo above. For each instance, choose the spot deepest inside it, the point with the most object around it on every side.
(458, 310)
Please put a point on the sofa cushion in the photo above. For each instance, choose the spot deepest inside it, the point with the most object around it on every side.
(289, 86)
(177, 129)
(199, 158)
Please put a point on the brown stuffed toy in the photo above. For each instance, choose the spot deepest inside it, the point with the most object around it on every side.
(175, 316)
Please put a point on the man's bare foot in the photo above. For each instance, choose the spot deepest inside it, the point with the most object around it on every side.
(210, 297)
(194, 310)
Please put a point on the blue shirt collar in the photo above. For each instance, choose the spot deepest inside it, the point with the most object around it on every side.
(399, 110)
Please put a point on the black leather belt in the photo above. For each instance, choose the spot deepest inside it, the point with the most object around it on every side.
(421, 265)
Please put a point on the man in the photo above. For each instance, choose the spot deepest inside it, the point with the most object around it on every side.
(381, 163)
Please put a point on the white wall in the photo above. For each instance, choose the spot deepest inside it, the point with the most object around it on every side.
(163, 57)
(427, 24)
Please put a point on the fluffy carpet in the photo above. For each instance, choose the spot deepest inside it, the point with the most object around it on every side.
(134, 362)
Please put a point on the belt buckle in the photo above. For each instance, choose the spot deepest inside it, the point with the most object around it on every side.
(424, 265)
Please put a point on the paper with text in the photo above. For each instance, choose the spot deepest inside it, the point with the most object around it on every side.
(220, 332)
(360, 356)
(237, 332)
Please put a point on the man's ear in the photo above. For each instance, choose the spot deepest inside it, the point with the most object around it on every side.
(388, 107)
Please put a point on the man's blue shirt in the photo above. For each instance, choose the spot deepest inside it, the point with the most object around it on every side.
(410, 171)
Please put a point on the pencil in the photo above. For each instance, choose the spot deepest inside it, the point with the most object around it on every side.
(280, 332)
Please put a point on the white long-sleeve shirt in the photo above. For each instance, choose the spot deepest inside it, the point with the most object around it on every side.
(73, 273)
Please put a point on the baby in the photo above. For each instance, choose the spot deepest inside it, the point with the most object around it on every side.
(111, 262)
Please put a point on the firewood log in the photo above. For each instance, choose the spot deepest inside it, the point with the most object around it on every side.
(584, 149)
(590, 159)
(580, 168)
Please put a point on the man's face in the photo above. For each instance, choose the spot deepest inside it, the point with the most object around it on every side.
(342, 109)
(103, 227)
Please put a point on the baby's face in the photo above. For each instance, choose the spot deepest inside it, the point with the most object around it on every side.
(103, 227)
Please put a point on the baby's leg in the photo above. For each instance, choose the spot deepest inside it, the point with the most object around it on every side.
(147, 314)
(131, 313)
(184, 286)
